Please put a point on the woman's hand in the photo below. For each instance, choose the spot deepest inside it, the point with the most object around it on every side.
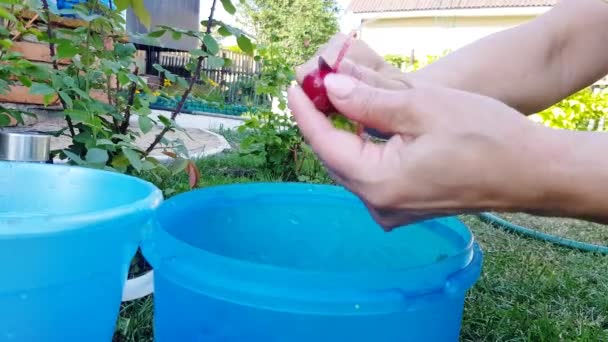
(360, 62)
(453, 152)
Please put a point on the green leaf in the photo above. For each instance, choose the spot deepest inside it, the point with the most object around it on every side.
(122, 5)
(67, 50)
(198, 53)
(89, 17)
(245, 44)
(145, 124)
(133, 78)
(81, 93)
(84, 137)
(123, 78)
(166, 121)
(5, 120)
(120, 162)
(133, 157)
(228, 6)
(4, 86)
(125, 50)
(121, 137)
(18, 115)
(69, 82)
(78, 115)
(176, 35)
(146, 165)
(4, 31)
(178, 166)
(25, 80)
(4, 13)
(157, 34)
(182, 82)
(67, 99)
(6, 43)
(211, 44)
(75, 158)
(141, 12)
(215, 62)
(41, 89)
(102, 142)
(97, 156)
(48, 99)
(224, 32)
(37, 72)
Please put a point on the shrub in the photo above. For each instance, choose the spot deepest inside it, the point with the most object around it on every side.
(103, 63)
(272, 134)
(586, 110)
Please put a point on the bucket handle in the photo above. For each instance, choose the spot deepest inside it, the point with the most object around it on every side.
(143, 285)
(138, 287)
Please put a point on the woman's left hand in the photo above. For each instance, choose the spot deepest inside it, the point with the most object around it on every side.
(452, 152)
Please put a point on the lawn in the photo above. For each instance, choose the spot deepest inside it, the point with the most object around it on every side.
(529, 290)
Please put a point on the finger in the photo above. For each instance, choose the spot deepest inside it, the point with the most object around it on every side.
(372, 77)
(358, 53)
(341, 151)
(329, 51)
(383, 109)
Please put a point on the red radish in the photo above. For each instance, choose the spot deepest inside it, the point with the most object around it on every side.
(314, 85)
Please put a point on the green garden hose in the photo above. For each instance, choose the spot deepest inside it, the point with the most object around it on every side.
(560, 241)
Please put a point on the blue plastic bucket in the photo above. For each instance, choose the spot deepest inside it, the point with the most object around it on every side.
(298, 262)
(67, 237)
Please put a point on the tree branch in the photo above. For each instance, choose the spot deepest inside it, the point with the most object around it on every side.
(182, 102)
(180, 105)
(26, 27)
(109, 90)
(47, 12)
(131, 99)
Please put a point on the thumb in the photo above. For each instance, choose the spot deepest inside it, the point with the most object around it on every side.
(383, 109)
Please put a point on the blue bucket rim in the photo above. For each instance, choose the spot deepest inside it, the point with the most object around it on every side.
(28, 225)
(241, 280)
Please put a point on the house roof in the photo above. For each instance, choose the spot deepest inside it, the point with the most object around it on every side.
(366, 6)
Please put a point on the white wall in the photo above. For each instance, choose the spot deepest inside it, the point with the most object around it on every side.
(431, 35)
(200, 121)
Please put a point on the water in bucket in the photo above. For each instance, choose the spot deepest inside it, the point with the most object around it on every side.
(67, 237)
(296, 262)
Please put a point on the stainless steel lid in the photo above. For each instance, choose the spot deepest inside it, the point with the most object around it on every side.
(25, 146)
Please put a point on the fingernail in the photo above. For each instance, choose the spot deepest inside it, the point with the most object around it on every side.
(339, 85)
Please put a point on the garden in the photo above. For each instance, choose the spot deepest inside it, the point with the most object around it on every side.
(529, 289)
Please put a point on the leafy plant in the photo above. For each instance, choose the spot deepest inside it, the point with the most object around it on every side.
(100, 89)
(586, 110)
(271, 132)
(411, 63)
(14, 69)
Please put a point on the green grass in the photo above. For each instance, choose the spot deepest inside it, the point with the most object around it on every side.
(529, 290)
(535, 291)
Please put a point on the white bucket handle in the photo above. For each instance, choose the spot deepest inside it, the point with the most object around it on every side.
(138, 287)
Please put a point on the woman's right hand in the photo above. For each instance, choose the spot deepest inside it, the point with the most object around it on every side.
(451, 152)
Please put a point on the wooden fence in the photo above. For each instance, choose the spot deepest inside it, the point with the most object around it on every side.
(235, 83)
